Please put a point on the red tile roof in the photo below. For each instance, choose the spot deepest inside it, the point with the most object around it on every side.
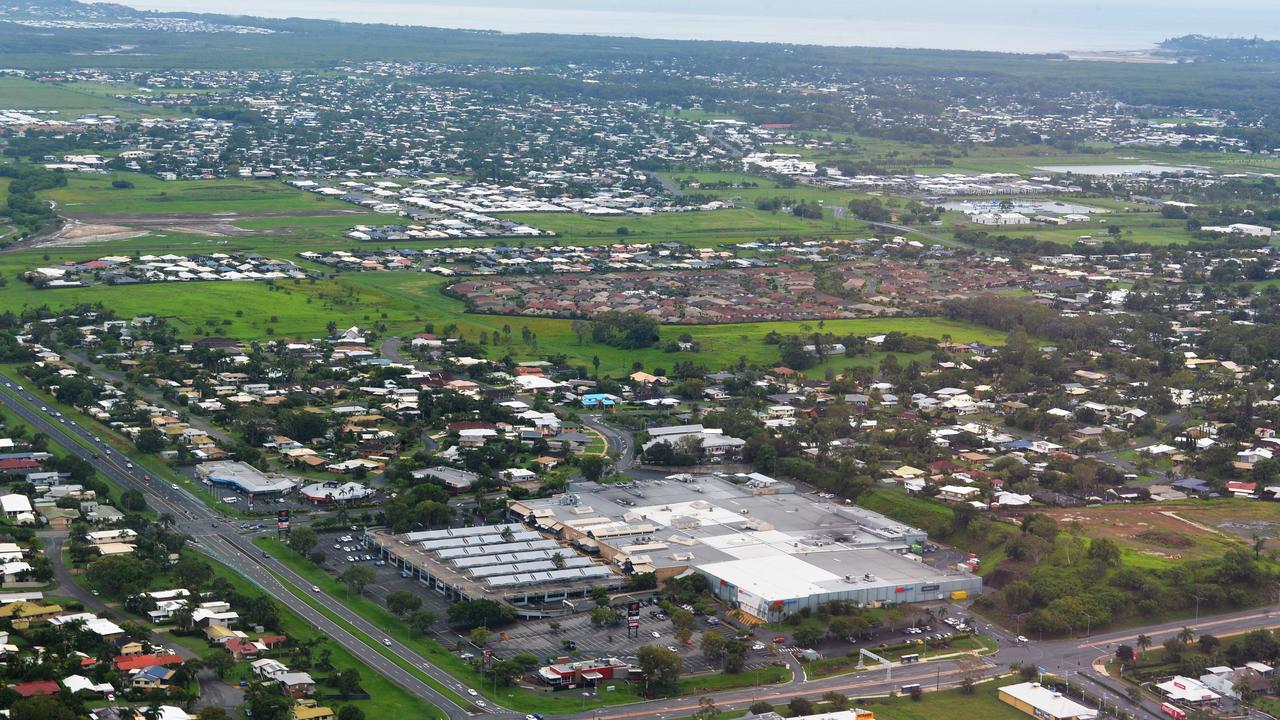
(36, 687)
(137, 662)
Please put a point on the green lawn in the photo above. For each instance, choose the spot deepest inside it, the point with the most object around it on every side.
(151, 195)
(950, 704)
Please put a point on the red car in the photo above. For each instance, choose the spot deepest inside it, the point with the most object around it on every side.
(780, 639)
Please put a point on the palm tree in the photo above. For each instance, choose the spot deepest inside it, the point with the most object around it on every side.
(1143, 642)
(1186, 634)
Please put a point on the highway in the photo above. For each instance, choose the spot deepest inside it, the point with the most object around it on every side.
(218, 538)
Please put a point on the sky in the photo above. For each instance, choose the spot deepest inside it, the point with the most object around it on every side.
(1000, 25)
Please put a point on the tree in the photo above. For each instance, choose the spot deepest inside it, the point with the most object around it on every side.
(302, 540)
(347, 682)
(1105, 551)
(684, 623)
(837, 701)
(150, 441)
(358, 578)
(191, 572)
(346, 712)
(800, 706)
(265, 704)
(1186, 634)
(403, 602)
(1124, 653)
(421, 620)
(133, 501)
(626, 330)
(476, 613)
(713, 646)
(603, 615)
(592, 467)
(119, 575)
(40, 707)
(1143, 641)
(479, 636)
(214, 712)
(219, 662)
(760, 707)
(661, 667)
(735, 656)
(807, 637)
(706, 709)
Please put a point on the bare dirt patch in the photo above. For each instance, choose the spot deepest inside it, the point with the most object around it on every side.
(74, 232)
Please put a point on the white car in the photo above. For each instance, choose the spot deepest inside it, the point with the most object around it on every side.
(1022, 639)
(758, 646)
(315, 588)
(655, 633)
(386, 641)
(472, 692)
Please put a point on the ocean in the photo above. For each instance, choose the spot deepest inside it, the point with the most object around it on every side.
(997, 25)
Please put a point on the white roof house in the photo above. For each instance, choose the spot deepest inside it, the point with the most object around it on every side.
(14, 504)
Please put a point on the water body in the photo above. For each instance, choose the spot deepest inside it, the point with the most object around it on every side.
(997, 25)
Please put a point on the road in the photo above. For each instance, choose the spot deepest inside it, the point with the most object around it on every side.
(212, 535)
(616, 441)
(908, 230)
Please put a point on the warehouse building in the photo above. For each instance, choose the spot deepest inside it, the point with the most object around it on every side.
(1045, 704)
(764, 548)
(511, 563)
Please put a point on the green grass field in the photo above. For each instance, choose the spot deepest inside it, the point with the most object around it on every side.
(949, 704)
(71, 100)
(150, 195)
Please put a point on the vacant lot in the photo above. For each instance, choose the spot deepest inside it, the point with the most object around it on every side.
(1156, 535)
